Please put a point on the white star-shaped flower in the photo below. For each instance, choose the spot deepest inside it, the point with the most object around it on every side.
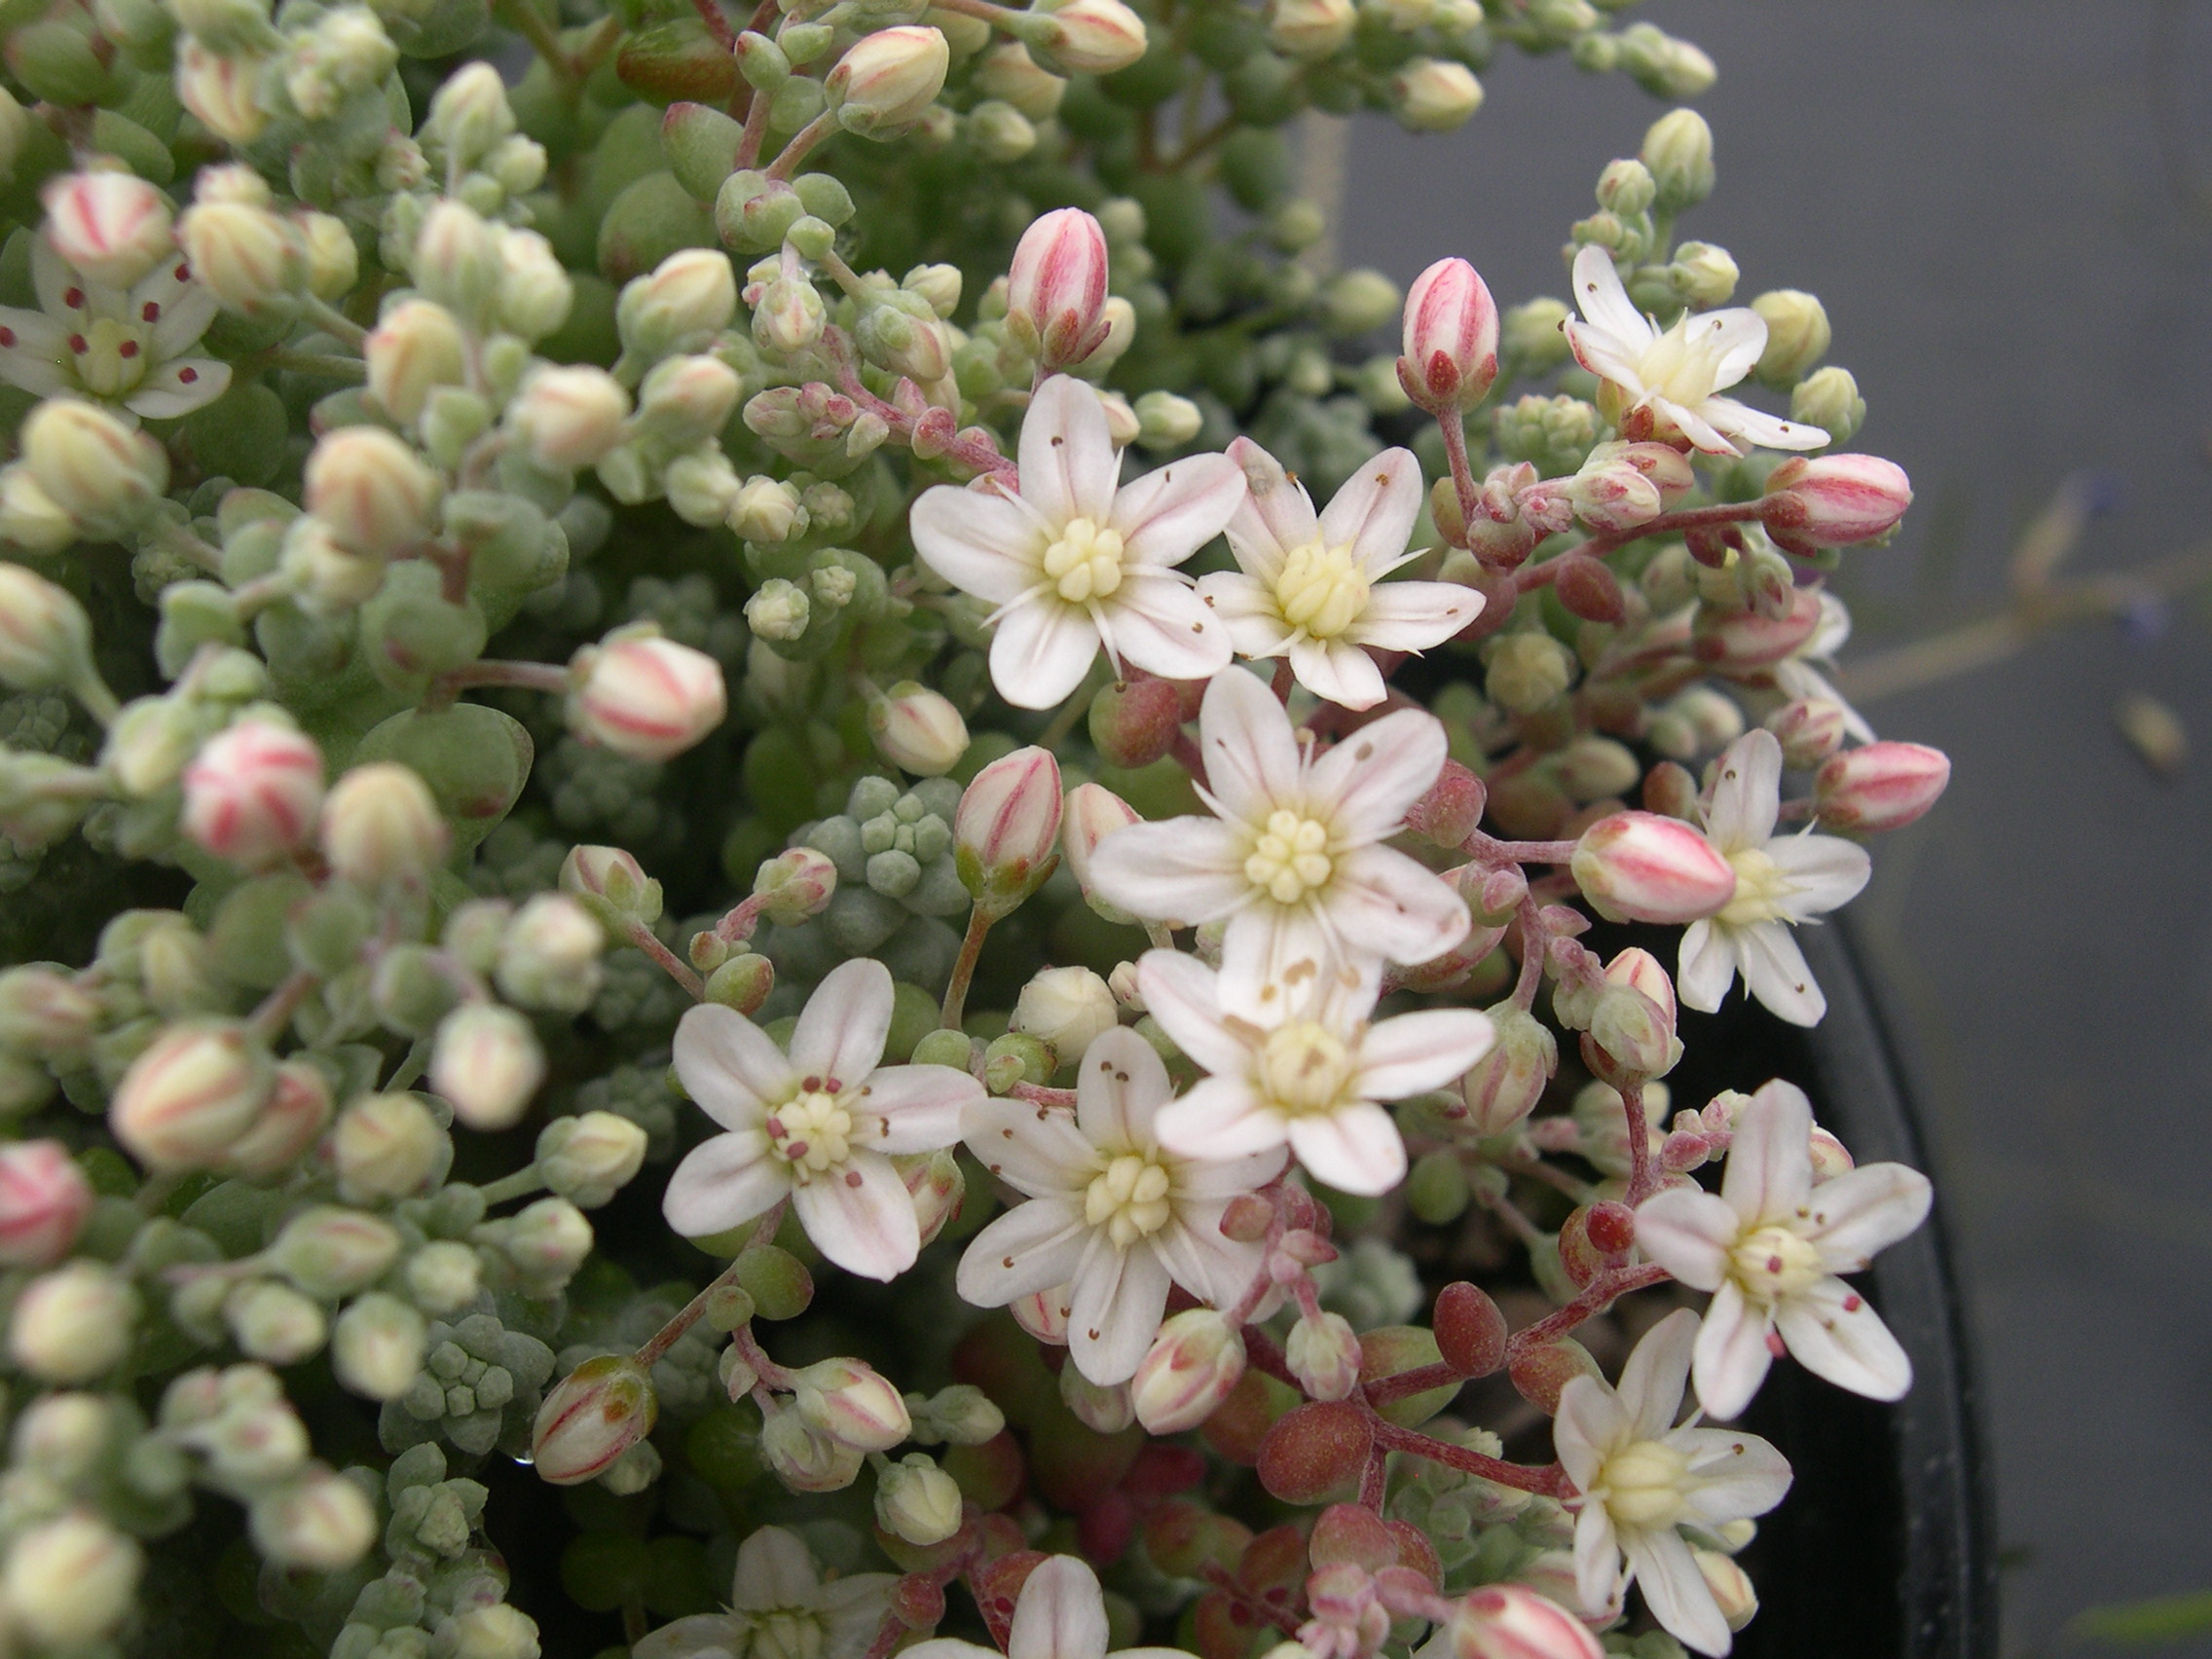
(779, 1607)
(1641, 1478)
(1293, 859)
(816, 1126)
(1061, 1614)
(1111, 1213)
(126, 350)
(1769, 1246)
(1076, 560)
(1781, 881)
(1310, 586)
(1679, 374)
(1798, 675)
(1313, 1075)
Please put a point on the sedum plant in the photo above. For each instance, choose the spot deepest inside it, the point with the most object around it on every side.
(796, 870)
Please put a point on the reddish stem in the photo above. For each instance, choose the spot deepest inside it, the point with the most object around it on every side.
(1406, 1383)
(1600, 1294)
(1549, 1481)
(1454, 430)
(718, 26)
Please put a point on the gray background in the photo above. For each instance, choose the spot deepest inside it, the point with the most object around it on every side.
(2002, 207)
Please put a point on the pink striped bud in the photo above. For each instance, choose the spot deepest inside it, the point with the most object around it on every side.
(252, 791)
(1192, 1366)
(290, 1121)
(1323, 1354)
(568, 417)
(594, 1415)
(1453, 808)
(1085, 37)
(1734, 640)
(1809, 730)
(1055, 297)
(1505, 1084)
(1451, 338)
(1832, 500)
(1043, 1315)
(852, 1403)
(373, 492)
(917, 729)
(644, 696)
(1632, 1020)
(194, 1090)
(114, 228)
(1638, 866)
(935, 1185)
(1093, 813)
(1005, 828)
(1884, 785)
(44, 1200)
(1104, 1408)
(1509, 1621)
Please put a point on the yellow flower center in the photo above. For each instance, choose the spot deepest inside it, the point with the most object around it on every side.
(1760, 888)
(1774, 1263)
(812, 1132)
(788, 1632)
(1085, 561)
(1128, 1198)
(1646, 1484)
(1684, 364)
(1290, 857)
(1305, 1068)
(110, 357)
(1321, 590)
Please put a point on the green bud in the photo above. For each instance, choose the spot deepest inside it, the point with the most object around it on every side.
(1702, 274)
(377, 1347)
(387, 1146)
(777, 1280)
(1677, 151)
(1436, 1190)
(1014, 1058)
(1829, 398)
(1359, 302)
(1527, 671)
(589, 1157)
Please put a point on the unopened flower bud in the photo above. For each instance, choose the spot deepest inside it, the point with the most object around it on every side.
(1678, 151)
(917, 729)
(333, 261)
(290, 1121)
(1883, 785)
(803, 1457)
(1323, 1354)
(273, 1324)
(1797, 335)
(415, 350)
(221, 91)
(1511, 1621)
(100, 472)
(374, 492)
(550, 955)
(486, 1064)
(113, 227)
(44, 1200)
(767, 509)
(1085, 37)
(1067, 1008)
(1167, 422)
(887, 79)
(568, 416)
(194, 1090)
(444, 1275)
(377, 1347)
(1731, 1587)
(30, 518)
(1103, 1408)
(385, 1146)
(644, 696)
(1829, 398)
(686, 300)
(253, 793)
(322, 1522)
(917, 1501)
(794, 885)
(245, 255)
(1192, 1366)
(73, 1324)
(1527, 671)
(936, 1186)
(535, 294)
(688, 399)
(1834, 500)
(331, 1252)
(1451, 338)
(71, 1580)
(379, 825)
(1057, 289)
(962, 1415)
(589, 1157)
(1505, 1084)
(457, 258)
(594, 1415)
(469, 113)
(1641, 867)
(1004, 832)
(1434, 94)
(852, 1403)
(1809, 730)
(44, 636)
(1311, 29)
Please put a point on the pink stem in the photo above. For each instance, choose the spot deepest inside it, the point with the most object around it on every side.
(1550, 1481)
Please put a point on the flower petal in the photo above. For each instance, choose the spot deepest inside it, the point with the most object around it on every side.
(1657, 1372)
(1605, 355)
(1068, 464)
(1115, 1312)
(1770, 1158)
(1596, 1560)
(1277, 516)
(1246, 607)
(1865, 1210)
(774, 1569)
(1041, 652)
(1674, 1590)
(1272, 955)
(1413, 1052)
(1703, 435)
(1757, 426)
(1599, 296)
(1367, 784)
(841, 1031)
(1374, 510)
(1706, 967)
(979, 543)
(730, 1066)
(1034, 1149)
(1412, 617)
(1775, 972)
(1384, 903)
(1826, 872)
(1735, 339)
(1182, 869)
(1356, 1149)
(1732, 1353)
(186, 310)
(1336, 671)
(723, 1182)
(1739, 1475)
(922, 1108)
(1031, 1247)
(1211, 1268)
(1250, 755)
(1182, 993)
(179, 388)
(1164, 628)
(1167, 515)
(1690, 1233)
(1746, 796)
(1590, 1426)
(1122, 1087)
(699, 1636)
(862, 1218)
(1834, 1333)
(1060, 1615)
(1219, 1116)
(1209, 1178)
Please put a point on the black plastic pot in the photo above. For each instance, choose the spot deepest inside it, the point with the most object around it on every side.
(1884, 1545)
